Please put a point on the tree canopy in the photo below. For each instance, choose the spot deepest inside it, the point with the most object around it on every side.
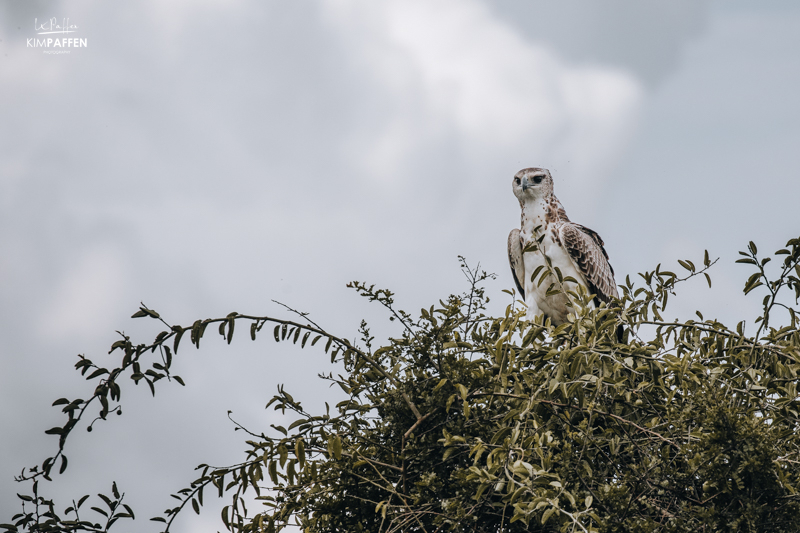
(472, 423)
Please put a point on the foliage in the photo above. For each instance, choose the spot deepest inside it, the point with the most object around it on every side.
(471, 423)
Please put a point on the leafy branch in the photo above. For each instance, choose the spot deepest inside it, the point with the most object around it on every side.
(473, 423)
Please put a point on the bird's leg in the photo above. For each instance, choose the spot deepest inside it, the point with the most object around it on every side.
(533, 309)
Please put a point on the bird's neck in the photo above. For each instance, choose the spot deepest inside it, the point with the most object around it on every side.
(542, 212)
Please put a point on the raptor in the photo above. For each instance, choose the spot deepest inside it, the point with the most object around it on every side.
(546, 231)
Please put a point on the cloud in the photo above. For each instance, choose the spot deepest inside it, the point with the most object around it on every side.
(455, 72)
(646, 37)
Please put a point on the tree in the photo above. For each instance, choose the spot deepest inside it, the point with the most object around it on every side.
(474, 423)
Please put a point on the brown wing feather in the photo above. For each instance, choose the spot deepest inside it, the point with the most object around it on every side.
(515, 260)
(585, 247)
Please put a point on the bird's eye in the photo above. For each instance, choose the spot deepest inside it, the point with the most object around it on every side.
(516, 180)
(538, 179)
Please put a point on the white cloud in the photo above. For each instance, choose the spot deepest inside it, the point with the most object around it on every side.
(452, 69)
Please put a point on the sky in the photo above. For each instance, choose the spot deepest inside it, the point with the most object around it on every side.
(212, 156)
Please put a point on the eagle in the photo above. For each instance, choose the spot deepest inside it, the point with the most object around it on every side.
(575, 250)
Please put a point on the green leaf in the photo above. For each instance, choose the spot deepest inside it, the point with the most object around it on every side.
(536, 273)
(273, 472)
(231, 325)
(97, 372)
(178, 334)
(753, 282)
(449, 403)
(130, 511)
(300, 450)
(448, 452)
(462, 391)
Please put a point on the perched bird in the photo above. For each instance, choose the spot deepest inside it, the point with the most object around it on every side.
(575, 250)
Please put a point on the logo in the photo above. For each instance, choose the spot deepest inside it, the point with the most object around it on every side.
(54, 38)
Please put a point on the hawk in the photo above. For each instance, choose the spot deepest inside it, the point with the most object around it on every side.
(576, 250)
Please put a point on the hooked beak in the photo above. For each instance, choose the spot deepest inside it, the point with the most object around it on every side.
(524, 184)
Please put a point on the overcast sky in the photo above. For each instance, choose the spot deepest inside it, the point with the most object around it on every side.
(211, 156)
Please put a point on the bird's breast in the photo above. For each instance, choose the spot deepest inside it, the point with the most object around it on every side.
(536, 289)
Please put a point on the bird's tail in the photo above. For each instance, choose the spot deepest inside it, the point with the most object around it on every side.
(621, 335)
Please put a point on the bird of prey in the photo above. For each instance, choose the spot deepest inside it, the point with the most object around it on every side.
(575, 250)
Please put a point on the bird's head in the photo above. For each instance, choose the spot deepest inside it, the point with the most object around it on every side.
(532, 184)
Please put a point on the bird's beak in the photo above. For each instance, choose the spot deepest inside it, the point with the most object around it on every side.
(524, 184)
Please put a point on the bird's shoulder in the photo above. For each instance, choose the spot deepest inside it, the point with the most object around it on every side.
(580, 238)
